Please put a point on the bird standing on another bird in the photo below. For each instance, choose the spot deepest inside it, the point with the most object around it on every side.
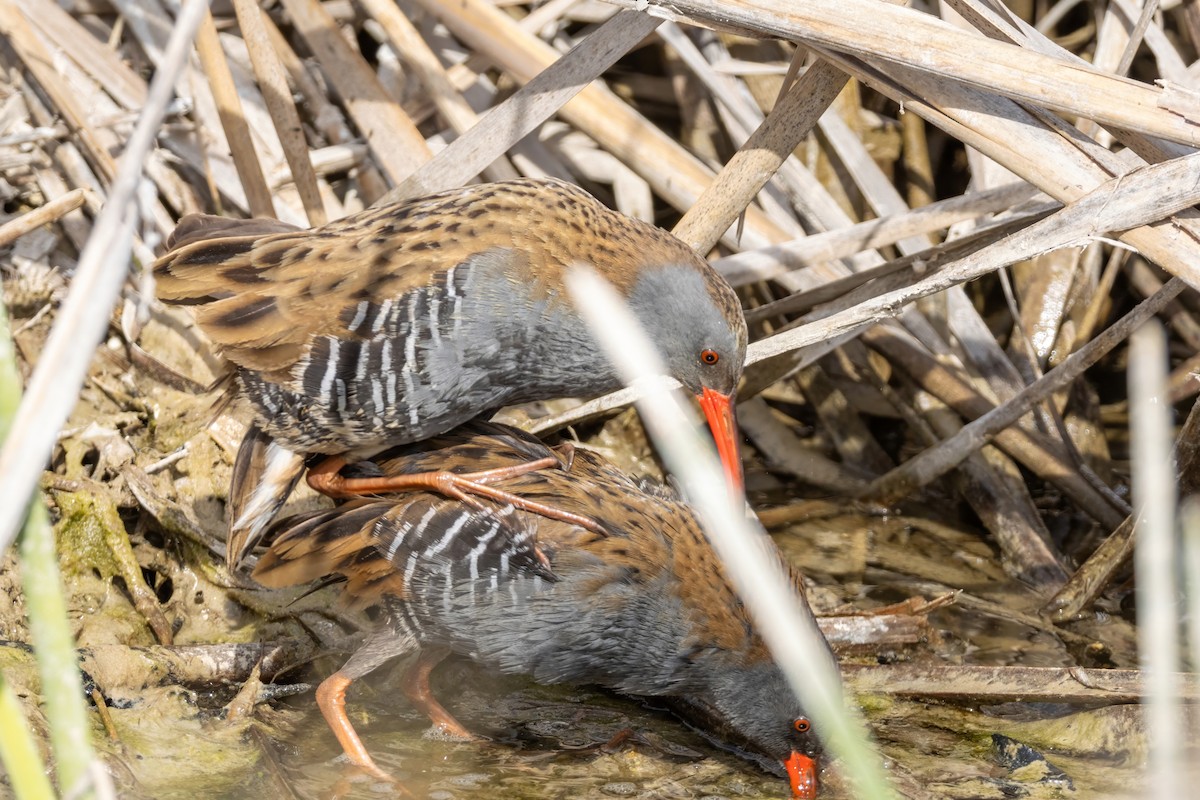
(403, 321)
(643, 608)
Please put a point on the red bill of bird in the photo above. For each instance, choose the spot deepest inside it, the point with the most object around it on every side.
(404, 321)
(643, 607)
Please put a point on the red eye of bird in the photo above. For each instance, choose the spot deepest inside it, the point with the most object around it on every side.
(801, 725)
(709, 357)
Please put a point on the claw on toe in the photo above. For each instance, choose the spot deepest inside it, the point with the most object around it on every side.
(566, 455)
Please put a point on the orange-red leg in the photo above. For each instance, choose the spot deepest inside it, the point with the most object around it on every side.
(326, 478)
(417, 690)
(331, 699)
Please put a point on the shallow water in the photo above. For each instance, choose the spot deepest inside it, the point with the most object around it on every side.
(564, 742)
(550, 742)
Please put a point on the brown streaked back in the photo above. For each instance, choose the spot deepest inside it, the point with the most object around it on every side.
(262, 290)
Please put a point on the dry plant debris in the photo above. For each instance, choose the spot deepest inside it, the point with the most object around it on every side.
(944, 222)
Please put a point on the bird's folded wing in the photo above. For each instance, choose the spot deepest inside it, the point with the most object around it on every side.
(379, 546)
(262, 290)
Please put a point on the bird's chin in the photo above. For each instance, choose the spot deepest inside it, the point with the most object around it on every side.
(704, 720)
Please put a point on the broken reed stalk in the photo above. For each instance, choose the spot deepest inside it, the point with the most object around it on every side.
(674, 173)
(410, 46)
(1139, 197)
(40, 63)
(763, 153)
(1093, 575)
(233, 119)
(398, 147)
(740, 116)
(16, 228)
(1156, 556)
(933, 258)
(531, 105)
(1099, 567)
(1044, 456)
(278, 99)
(50, 630)
(325, 114)
(935, 462)
(921, 41)
(769, 263)
(1038, 147)
(781, 615)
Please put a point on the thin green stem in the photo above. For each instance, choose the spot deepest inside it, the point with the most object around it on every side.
(62, 684)
(18, 752)
(10, 379)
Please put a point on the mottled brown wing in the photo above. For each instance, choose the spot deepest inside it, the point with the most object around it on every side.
(378, 545)
(337, 541)
(261, 291)
(198, 227)
(257, 297)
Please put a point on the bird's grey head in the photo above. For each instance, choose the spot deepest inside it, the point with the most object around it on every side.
(757, 708)
(751, 709)
(697, 325)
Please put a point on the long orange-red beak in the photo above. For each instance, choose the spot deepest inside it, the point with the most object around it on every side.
(802, 772)
(718, 410)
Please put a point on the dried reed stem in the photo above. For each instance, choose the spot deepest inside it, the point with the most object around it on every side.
(931, 464)
(530, 106)
(15, 229)
(233, 119)
(1156, 557)
(278, 99)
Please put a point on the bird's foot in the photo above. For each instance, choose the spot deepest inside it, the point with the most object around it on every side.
(415, 686)
(452, 733)
(462, 486)
(370, 769)
(331, 699)
(618, 740)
